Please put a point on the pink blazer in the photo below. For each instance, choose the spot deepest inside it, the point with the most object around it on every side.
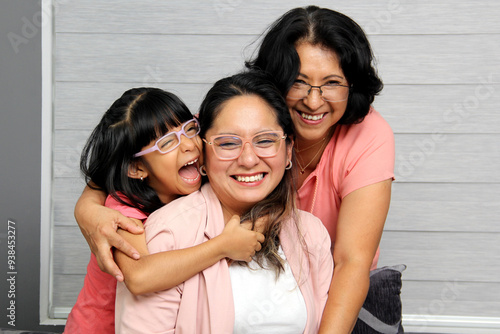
(204, 303)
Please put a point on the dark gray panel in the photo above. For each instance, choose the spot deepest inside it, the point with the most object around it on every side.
(20, 162)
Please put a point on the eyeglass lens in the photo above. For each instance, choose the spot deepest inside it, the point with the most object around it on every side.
(264, 145)
(172, 140)
(329, 92)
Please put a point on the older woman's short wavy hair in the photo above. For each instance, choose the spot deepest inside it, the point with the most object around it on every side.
(327, 28)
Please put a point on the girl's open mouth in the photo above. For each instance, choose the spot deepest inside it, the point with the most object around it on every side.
(189, 172)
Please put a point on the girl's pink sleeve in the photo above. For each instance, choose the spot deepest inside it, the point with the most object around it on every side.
(124, 209)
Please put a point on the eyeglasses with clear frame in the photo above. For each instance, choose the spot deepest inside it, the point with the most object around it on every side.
(172, 140)
(330, 92)
(229, 147)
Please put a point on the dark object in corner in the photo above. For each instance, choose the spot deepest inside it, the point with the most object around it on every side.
(382, 310)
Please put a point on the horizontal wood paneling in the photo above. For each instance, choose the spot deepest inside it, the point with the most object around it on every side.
(407, 108)
(419, 157)
(136, 58)
(439, 64)
(419, 59)
(436, 297)
(66, 192)
(440, 207)
(425, 287)
(71, 251)
(81, 105)
(450, 298)
(437, 59)
(244, 17)
(443, 256)
(448, 158)
(68, 288)
(462, 108)
(430, 256)
(436, 207)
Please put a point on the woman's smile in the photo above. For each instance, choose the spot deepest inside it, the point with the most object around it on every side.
(250, 179)
(311, 118)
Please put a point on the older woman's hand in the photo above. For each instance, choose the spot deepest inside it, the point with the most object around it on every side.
(99, 225)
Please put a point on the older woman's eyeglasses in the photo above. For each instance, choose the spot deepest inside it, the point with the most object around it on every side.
(172, 140)
(331, 92)
(229, 147)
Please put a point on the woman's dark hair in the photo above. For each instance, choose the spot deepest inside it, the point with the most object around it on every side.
(139, 116)
(279, 206)
(323, 27)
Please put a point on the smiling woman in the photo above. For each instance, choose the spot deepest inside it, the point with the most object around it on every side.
(144, 153)
(321, 61)
(249, 174)
(247, 124)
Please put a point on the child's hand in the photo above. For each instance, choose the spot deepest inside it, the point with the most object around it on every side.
(240, 241)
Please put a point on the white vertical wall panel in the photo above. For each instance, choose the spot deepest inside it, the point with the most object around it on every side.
(439, 62)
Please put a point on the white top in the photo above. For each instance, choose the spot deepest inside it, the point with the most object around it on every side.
(263, 304)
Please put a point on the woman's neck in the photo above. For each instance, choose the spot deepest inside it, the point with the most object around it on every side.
(308, 158)
(309, 154)
(228, 213)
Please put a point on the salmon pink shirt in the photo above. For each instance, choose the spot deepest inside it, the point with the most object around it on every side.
(357, 155)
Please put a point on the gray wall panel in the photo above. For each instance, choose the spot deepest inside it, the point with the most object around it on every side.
(450, 298)
(437, 59)
(461, 108)
(20, 167)
(242, 17)
(81, 104)
(408, 108)
(441, 72)
(68, 287)
(419, 157)
(403, 59)
(448, 158)
(135, 58)
(443, 256)
(71, 252)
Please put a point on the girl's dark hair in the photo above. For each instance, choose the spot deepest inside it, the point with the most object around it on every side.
(279, 206)
(324, 27)
(139, 116)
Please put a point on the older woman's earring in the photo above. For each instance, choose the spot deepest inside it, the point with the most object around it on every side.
(289, 166)
(203, 170)
(142, 179)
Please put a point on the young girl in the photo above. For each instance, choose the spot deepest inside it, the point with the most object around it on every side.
(145, 153)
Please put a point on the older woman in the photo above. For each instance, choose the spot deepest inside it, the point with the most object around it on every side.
(321, 61)
(248, 159)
